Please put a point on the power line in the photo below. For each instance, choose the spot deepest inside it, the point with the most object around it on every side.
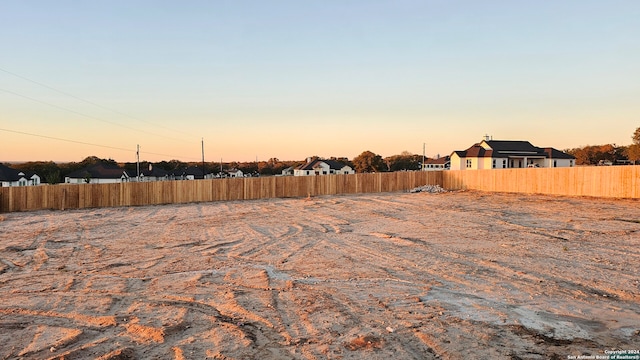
(90, 102)
(85, 115)
(90, 144)
(60, 139)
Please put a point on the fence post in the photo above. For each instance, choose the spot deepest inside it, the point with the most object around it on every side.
(355, 179)
(64, 198)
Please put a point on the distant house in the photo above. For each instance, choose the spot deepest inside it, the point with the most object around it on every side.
(100, 173)
(190, 173)
(288, 171)
(441, 163)
(503, 154)
(13, 177)
(234, 173)
(322, 167)
(153, 173)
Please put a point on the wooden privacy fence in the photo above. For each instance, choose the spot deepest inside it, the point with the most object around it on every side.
(604, 181)
(67, 196)
(595, 181)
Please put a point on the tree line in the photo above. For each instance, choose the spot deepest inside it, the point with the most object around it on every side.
(612, 153)
(54, 173)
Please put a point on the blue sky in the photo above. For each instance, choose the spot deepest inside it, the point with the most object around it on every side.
(291, 79)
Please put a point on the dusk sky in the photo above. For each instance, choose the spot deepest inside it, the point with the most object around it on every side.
(291, 79)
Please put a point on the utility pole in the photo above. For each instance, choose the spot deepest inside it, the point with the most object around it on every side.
(138, 163)
(203, 173)
(424, 147)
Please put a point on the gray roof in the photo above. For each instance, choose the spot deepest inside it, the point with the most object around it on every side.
(194, 171)
(154, 171)
(99, 171)
(513, 146)
(557, 154)
(509, 148)
(333, 164)
(9, 174)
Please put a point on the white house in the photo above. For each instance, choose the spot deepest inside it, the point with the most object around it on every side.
(288, 171)
(190, 173)
(151, 173)
(234, 173)
(503, 154)
(322, 167)
(13, 177)
(441, 163)
(100, 173)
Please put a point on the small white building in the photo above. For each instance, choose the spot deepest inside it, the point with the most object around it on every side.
(441, 163)
(233, 173)
(322, 167)
(503, 154)
(13, 177)
(288, 171)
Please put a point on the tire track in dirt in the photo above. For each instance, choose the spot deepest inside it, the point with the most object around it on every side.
(353, 244)
(34, 254)
(370, 276)
(495, 269)
(268, 234)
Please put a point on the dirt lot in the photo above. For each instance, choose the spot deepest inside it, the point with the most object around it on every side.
(406, 276)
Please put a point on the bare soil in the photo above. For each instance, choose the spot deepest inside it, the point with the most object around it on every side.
(405, 276)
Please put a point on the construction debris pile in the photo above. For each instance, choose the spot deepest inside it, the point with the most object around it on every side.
(433, 189)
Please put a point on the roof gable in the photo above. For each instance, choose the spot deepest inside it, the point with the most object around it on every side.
(308, 165)
(332, 164)
(476, 151)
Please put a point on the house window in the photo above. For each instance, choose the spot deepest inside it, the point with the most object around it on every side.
(469, 163)
(493, 165)
(504, 163)
(555, 163)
